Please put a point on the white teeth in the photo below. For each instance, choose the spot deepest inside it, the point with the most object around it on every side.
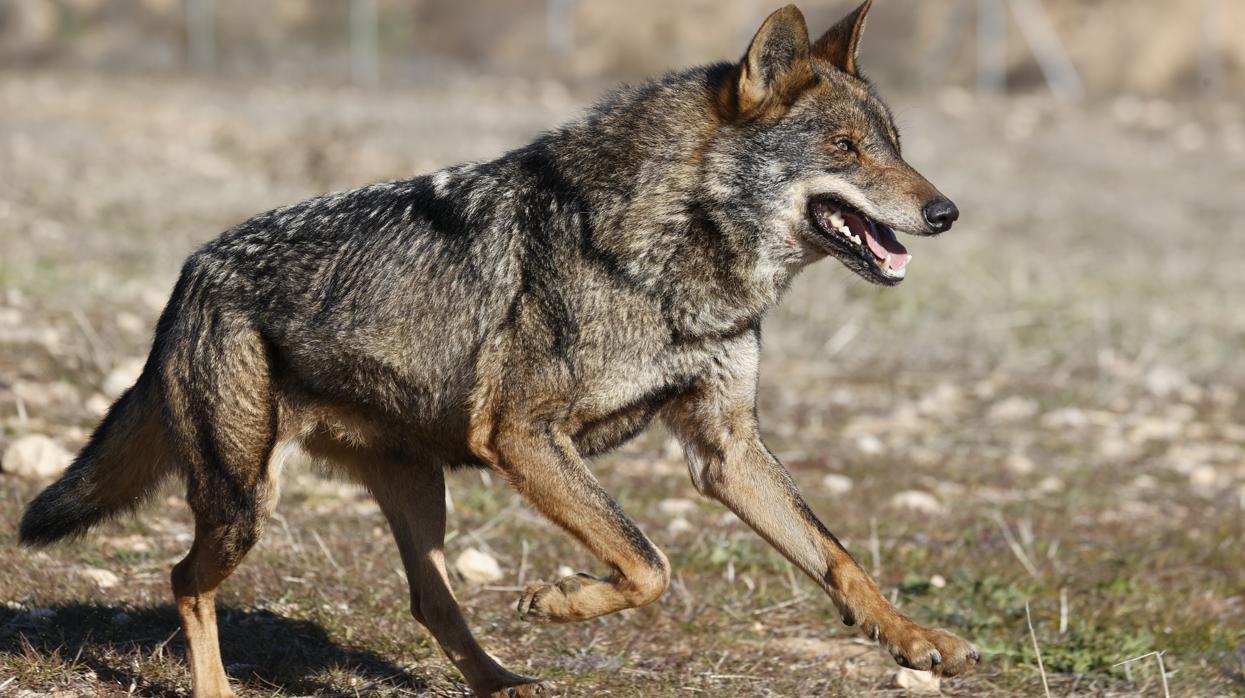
(837, 221)
(893, 273)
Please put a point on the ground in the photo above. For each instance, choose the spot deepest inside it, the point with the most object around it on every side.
(1044, 420)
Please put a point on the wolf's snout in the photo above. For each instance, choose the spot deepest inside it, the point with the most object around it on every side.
(940, 213)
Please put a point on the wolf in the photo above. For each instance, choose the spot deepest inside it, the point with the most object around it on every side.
(523, 315)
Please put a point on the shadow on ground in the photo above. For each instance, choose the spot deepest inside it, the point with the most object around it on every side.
(260, 649)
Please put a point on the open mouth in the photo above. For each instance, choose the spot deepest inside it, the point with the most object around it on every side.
(853, 236)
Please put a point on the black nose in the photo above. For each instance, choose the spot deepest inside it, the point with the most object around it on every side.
(940, 213)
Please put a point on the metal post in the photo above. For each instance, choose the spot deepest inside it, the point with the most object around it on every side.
(1044, 42)
(200, 34)
(364, 43)
(1211, 47)
(991, 46)
(560, 26)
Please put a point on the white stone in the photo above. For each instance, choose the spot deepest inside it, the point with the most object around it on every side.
(122, 376)
(1163, 381)
(97, 405)
(1019, 463)
(917, 681)
(478, 567)
(916, 500)
(1012, 409)
(35, 456)
(1204, 477)
(102, 578)
(676, 507)
(1051, 485)
(679, 525)
(869, 444)
(938, 581)
(836, 484)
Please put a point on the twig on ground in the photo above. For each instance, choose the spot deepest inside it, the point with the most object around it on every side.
(875, 548)
(1037, 651)
(1158, 656)
(1016, 549)
(325, 549)
(1063, 610)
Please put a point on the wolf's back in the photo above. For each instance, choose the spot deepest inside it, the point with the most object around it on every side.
(125, 459)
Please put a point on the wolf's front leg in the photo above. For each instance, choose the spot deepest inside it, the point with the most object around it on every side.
(543, 465)
(717, 425)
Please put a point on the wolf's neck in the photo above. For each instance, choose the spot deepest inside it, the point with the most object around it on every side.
(634, 166)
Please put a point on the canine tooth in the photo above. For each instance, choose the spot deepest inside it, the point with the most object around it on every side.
(836, 220)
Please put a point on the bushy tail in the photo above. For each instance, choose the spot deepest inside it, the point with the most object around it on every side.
(125, 460)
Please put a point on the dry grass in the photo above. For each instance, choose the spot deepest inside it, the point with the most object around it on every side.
(1054, 387)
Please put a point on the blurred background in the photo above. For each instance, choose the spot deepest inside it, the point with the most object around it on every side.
(1037, 441)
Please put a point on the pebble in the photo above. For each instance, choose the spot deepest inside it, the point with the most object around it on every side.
(917, 681)
(679, 525)
(102, 578)
(836, 484)
(869, 444)
(1012, 409)
(676, 507)
(35, 456)
(478, 567)
(916, 500)
(122, 376)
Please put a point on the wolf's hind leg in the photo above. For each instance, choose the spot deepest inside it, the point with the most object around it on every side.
(412, 496)
(222, 417)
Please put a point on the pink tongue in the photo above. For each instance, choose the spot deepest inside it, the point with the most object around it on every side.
(883, 242)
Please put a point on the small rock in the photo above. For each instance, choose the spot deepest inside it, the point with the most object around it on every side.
(679, 525)
(1012, 409)
(917, 681)
(564, 571)
(938, 581)
(102, 578)
(869, 444)
(130, 323)
(1019, 463)
(676, 507)
(1051, 485)
(35, 456)
(120, 378)
(918, 501)
(1204, 477)
(97, 405)
(478, 567)
(836, 484)
(1163, 381)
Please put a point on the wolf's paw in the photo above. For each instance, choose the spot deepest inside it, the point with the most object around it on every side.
(529, 689)
(938, 651)
(556, 603)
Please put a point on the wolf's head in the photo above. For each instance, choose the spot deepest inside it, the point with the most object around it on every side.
(809, 153)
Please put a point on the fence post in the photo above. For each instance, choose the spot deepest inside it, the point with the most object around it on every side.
(1044, 42)
(560, 26)
(200, 33)
(364, 43)
(991, 46)
(1211, 47)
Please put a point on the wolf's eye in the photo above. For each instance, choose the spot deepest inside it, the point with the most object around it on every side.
(845, 144)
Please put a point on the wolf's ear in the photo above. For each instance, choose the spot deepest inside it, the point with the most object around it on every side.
(839, 44)
(776, 67)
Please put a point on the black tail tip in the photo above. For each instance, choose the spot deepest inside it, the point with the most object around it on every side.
(52, 517)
